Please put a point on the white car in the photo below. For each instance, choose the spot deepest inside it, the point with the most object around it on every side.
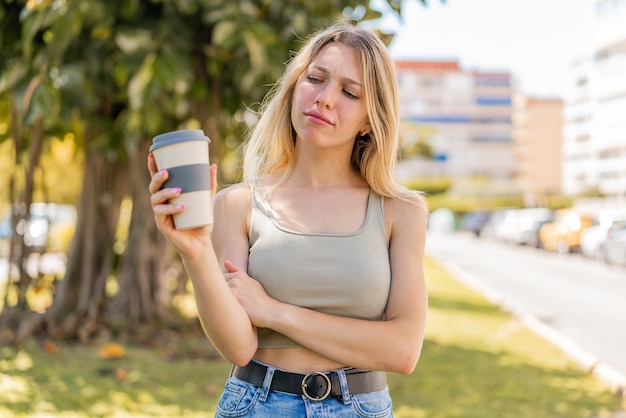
(593, 239)
(615, 245)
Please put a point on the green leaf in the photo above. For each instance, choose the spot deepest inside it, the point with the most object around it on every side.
(139, 82)
(13, 75)
(173, 70)
(131, 41)
(255, 49)
(224, 32)
(45, 104)
(31, 26)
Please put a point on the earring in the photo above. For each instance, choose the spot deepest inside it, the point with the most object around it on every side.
(363, 132)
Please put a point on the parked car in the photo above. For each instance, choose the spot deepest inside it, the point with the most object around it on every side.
(615, 245)
(525, 225)
(62, 227)
(441, 220)
(35, 229)
(563, 233)
(494, 226)
(5, 228)
(475, 221)
(5, 235)
(49, 227)
(593, 239)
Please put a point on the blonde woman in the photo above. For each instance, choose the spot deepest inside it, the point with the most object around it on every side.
(311, 279)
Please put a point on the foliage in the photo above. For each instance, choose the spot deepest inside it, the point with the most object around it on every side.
(559, 201)
(463, 204)
(112, 74)
(477, 362)
(430, 185)
(57, 179)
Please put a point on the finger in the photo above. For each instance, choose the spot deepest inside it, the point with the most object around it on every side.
(230, 267)
(152, 167)
(157, 181)
(164, 223)
(213, 180)
(160, 199)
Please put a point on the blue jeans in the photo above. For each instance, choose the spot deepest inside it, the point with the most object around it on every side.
(242, 399)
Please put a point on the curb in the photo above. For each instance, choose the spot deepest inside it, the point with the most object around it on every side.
(613, 378)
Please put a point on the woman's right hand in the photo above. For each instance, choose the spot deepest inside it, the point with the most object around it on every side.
(189, 243)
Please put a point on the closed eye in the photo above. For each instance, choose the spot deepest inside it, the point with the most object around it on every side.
(313, 79)
(350, 95)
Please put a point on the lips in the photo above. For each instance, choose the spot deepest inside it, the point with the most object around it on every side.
(317, 117)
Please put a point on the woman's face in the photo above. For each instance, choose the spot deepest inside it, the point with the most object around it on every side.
(328, 104)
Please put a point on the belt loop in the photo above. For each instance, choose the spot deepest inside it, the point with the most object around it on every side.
(345, 392)
(267, 383)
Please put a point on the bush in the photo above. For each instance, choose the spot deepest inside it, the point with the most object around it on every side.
(430, 185)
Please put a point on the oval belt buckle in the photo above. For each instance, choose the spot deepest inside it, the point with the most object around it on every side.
(305, 386)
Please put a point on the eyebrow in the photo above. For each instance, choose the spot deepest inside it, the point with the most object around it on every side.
(344, 79)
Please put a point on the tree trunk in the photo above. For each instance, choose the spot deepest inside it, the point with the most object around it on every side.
(26, 198)
(19, 252)
(80, 296)
(143, 293)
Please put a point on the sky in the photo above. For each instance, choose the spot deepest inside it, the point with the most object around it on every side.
(536, 40)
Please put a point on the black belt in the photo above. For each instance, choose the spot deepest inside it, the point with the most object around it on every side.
(315, 386)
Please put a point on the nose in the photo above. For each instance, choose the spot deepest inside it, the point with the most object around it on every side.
(326, 96)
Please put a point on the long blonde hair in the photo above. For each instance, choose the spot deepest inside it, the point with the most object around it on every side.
(271, 145)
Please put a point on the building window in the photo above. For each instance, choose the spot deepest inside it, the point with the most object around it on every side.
(493, 101)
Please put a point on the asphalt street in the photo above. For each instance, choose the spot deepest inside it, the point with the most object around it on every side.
(577, 303)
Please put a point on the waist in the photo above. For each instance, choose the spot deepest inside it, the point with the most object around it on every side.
(315, 386)
(296, 359)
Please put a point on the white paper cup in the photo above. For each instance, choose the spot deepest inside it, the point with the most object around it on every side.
(185, 155)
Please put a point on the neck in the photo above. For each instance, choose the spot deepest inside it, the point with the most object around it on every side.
(324, 173)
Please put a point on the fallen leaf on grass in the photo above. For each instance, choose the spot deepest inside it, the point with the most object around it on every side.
(121, 374)
(111, 351)
(50, 347)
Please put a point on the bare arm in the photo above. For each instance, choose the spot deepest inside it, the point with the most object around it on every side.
(393, 344)
(223, 319)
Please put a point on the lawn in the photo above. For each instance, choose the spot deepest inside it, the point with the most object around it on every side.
(477, 362)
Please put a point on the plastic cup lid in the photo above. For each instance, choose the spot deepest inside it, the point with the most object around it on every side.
(175, 137)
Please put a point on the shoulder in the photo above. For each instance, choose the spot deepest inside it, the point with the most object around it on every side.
(232, 211)
(410, 204)
(234, 203)
(236, 194)
(405, 212)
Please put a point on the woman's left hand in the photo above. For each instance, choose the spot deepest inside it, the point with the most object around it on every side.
(251, 295)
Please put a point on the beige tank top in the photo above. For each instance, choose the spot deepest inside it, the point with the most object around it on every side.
(346, 274)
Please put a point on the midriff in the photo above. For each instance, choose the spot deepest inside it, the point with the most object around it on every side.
(296, 360)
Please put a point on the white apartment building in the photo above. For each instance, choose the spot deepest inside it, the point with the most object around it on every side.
(462, 116)
(594, 132)
(578, 165)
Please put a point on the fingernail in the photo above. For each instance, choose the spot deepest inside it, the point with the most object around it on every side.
(176, 190)
(180, 207)
(162, 173)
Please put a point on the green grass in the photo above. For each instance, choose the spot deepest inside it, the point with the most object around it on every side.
(477, 362)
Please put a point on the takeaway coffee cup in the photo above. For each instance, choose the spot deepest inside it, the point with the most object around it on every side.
(185, 156)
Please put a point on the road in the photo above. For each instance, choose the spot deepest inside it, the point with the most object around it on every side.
(579, 304)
